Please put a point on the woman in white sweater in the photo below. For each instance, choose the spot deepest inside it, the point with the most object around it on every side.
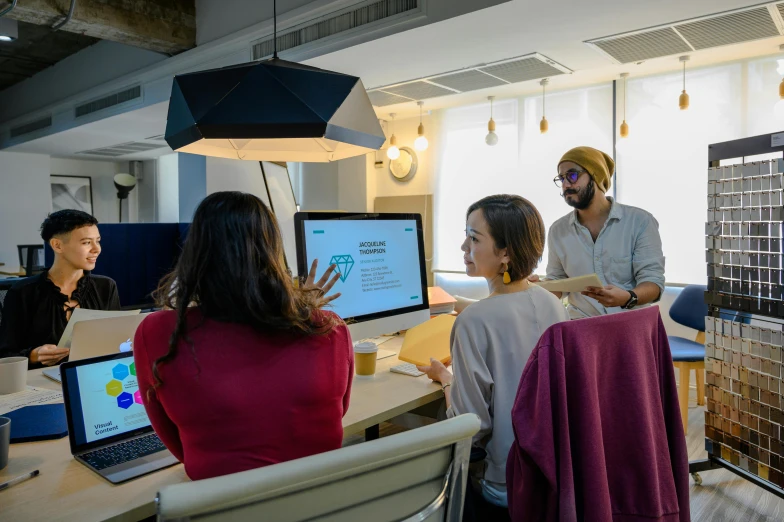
(493, 338)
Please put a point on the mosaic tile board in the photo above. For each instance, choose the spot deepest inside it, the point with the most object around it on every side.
(743, 237)
(744, 421)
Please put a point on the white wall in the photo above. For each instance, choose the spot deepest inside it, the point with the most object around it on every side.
(423, 181)
(168, 194)
(319, 186)
(353, 184)
(101, 174)
(25, 200)
(243, 176)
(147, 192)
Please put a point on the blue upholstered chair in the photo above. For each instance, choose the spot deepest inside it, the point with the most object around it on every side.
(689, 309)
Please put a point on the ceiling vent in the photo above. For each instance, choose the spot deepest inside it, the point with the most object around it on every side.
(484, 76)
(100, 104)
(742, 25)
(123, 149)
(420, 90)
(366, 14)
(30, 127)
(644, 46)
(522, 70)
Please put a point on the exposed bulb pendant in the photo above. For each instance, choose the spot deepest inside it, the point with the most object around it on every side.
(420, 143)
(393, 152)
(491, 138)
(544, 126)
(683, 100)
(624, 125)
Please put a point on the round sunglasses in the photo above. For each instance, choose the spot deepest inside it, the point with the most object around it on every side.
(572, 175)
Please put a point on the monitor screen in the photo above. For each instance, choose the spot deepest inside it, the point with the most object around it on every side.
(103, 399)
(380, 258)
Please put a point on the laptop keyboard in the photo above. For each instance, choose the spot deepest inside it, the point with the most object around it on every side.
(123, 452)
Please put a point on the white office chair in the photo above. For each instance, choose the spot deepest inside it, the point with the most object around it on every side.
(413, 476)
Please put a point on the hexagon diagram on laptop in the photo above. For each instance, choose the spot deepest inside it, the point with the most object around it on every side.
(124, 400)
(137, 397)
(120, 372)
(114, 388)
(344, 263)
(133, 369)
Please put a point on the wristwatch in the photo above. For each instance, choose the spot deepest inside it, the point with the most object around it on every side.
(632, 302)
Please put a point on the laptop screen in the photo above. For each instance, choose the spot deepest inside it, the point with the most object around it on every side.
(103, 399)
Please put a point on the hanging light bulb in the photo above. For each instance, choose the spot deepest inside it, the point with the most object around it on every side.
(624, 125)
(393, 152)
(491, 138)
(683, 100)
(421, 143)
(544, 126)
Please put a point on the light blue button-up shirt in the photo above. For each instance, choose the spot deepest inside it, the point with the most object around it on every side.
(627, 252)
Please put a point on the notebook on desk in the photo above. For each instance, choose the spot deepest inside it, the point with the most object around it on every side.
(108, 428)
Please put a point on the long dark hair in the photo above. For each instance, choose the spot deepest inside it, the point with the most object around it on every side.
(517, 226)
(232, 267)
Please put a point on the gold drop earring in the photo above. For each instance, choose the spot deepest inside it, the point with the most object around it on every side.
(507, 278)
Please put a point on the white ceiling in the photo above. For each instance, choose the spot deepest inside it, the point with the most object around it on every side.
(556, 29)
(131, 126)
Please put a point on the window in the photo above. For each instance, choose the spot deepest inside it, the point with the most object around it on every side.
(524, 162)
(468, 170)
(662, 165)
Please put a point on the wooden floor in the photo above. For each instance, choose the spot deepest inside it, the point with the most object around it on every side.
(722, 497)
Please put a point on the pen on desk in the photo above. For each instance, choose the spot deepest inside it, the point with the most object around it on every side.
(17, 480)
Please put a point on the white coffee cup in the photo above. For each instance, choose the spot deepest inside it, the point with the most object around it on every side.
(13, 375)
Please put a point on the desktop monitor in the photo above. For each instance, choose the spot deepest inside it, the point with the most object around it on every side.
(381, 260)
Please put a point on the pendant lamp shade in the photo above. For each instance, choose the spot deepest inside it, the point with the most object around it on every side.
(272, 110)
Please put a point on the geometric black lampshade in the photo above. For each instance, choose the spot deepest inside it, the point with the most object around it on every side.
(272, 110)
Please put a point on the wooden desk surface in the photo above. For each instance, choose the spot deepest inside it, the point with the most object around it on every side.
(67, 490)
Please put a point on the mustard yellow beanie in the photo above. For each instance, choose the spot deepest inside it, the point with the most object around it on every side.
(598, 164)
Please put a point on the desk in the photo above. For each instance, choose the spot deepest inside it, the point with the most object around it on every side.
(67, 490)
(20, 273)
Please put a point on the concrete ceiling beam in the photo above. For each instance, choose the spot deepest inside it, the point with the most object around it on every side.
(166, 26)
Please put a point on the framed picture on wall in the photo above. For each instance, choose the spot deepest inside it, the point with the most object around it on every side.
(72, 192)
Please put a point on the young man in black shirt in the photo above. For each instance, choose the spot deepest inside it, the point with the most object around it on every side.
(37, 309)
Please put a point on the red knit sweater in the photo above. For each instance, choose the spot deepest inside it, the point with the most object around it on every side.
(239, 399)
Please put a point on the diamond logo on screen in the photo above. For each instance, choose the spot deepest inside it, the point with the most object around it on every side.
(345, 263)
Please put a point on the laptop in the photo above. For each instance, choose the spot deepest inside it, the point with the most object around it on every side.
(97, 337)
(108, 427)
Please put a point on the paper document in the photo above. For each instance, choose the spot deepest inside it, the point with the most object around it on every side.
(572, 284)
(83, 314)
(32, 396)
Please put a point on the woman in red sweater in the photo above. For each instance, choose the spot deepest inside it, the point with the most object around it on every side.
(243, 370)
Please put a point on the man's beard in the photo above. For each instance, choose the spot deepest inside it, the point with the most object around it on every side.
(584, 196)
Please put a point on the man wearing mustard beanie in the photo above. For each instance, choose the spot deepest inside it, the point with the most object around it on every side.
(619, 243)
